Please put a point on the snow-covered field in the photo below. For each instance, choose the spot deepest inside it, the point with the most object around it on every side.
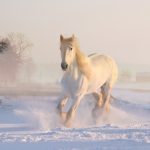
(31, 122)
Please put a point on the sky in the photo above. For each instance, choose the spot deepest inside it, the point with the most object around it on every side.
(119, 28)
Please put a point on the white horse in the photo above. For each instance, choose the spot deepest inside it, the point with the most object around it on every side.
(95, 74)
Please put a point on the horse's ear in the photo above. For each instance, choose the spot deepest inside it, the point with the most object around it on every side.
(73, 36)
(61, 37)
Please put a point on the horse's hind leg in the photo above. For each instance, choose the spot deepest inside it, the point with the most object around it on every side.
(99, 103)
(106, 91)
(99, 99)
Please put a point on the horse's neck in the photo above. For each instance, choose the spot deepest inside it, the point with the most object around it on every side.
(83, 64)
(80, 66)
(74, 70)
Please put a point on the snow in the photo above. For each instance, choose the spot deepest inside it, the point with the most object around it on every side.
(31, 122)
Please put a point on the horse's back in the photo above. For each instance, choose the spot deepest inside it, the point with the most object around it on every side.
(104, 65)
(96, 58)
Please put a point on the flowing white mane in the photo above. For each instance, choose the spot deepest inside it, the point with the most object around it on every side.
(83, 61)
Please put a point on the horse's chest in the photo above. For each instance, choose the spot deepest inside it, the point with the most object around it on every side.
(73, 85)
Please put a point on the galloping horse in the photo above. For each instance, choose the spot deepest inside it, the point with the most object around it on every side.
(95, 74)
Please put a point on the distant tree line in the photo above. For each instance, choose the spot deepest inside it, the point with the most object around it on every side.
(14, 50)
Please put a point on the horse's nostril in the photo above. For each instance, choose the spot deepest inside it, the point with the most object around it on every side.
(64, 66)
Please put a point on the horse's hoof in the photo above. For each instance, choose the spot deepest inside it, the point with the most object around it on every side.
(68, 124)
(107, 108)
(62, 116)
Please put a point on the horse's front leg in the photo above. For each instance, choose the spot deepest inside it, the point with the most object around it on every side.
(72, 111)
(61, 106)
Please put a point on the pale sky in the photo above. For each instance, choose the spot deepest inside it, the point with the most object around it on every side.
(119, 28)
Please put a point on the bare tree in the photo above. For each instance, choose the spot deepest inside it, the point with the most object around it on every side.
(20, 43)
(3, 45)
(13, 54)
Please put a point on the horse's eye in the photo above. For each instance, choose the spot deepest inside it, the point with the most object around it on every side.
(70, 48)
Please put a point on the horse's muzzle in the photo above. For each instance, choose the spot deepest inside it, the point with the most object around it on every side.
(64, 66)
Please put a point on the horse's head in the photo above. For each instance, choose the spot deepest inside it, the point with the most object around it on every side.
(67, 48)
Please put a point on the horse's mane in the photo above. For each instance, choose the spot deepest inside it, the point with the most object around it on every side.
(83, 61)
